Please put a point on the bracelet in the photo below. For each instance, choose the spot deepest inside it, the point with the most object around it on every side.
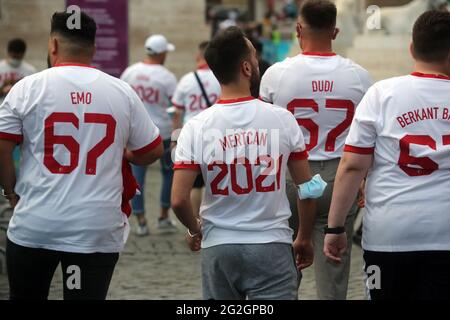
(192, 235)
(335, 230)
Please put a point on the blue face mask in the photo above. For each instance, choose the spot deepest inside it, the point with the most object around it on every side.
(312, 189)
(15, 63)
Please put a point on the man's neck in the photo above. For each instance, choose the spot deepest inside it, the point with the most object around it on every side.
(319, 47)
(71, 60)
(202, 64)
(150, 60)
(431, 68)
(234, 91)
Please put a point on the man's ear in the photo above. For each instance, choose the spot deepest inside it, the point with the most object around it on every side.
(299, 30)
(335, 33)
(412, 51)
(54, 46)
(247, 69)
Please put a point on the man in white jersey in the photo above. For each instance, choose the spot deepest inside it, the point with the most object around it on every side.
(322, 90)
(400, 137)
(74, 123)
(14, 68)
(196, 91)
(155, 85)
(243, 147)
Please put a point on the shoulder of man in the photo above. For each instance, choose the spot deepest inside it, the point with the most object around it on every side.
(29, 67)
(187, 78)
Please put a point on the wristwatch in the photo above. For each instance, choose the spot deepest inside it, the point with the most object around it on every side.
(335, 230)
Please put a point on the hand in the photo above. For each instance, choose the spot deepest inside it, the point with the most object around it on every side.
(13, 200)
(362, 194)
(194, 243)
(6, 89)
(303, 253)
(335, 246)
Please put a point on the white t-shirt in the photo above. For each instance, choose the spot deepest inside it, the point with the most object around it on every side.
(405, 123)
(9, 73)
(189, 97)
(75, 123)
(155, 85)
(245, 200)
(322, 91)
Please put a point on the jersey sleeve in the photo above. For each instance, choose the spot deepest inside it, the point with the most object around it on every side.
(31, 70)
(125, 75)
(10, 118)
(296, 138)
(269, 84)
(144, 135)
(363, 131)
(188, 150)
(179, 97)
(364, 76)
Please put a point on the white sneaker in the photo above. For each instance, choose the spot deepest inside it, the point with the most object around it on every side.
(166, 224)
(142, 230)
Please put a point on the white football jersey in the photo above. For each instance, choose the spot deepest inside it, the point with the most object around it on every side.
(11, 74)
(322, 91)
(74, 123)
(155, 85)
(242, 148)
(189, 97)
(405, 123)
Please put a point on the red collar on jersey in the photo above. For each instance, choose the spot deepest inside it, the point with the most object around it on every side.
(235, 100)
(320, 54)
(203, 67)
(73, 65)
(433, 76)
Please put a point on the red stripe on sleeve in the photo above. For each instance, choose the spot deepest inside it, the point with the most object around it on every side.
(148, 147)
(299, 155)
(11, 137)
(186, 165)
(359, 150)
(178, 106)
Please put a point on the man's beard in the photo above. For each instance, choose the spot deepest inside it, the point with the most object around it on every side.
(49, 64)
(255, 82)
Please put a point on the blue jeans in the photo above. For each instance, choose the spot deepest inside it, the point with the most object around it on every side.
(167, 175)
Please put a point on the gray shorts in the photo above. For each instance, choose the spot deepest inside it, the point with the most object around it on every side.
(331, 279)
(250, 271)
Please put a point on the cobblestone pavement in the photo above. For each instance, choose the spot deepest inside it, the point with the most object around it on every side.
(160, 266)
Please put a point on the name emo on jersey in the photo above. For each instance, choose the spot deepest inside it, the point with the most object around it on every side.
(81, 97)
(243, 138)
(417, 115)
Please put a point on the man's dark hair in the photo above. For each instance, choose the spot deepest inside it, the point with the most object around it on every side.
(225, 53)
(85, 35)
(320, 15)
(17, 46)
(258, 45)
(431, 36)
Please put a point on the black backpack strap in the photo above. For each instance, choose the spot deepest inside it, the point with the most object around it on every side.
(200, 84)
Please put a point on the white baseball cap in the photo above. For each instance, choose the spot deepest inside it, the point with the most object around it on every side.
(158, 44)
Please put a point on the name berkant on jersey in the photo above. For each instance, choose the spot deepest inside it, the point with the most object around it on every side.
(429, 113)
